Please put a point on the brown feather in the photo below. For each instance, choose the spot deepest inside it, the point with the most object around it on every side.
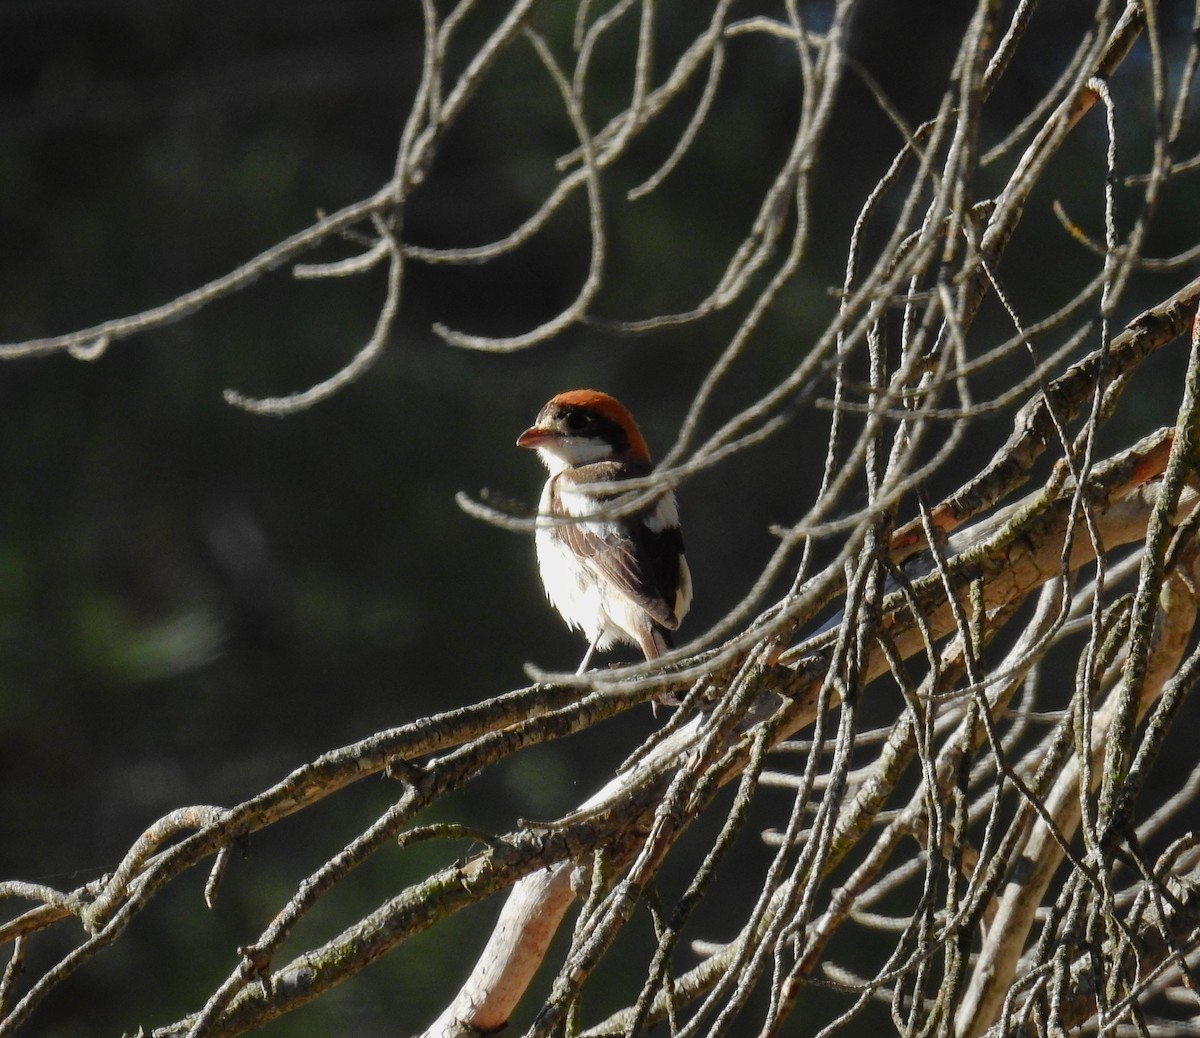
(641, 563)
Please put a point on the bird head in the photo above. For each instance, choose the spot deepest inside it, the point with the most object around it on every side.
(581, 427)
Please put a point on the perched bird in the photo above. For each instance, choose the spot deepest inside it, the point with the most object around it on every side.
(621, 578)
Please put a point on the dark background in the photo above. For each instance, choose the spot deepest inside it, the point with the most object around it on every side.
(195, 600)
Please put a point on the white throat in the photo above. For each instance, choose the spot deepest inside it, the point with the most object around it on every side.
(571, 451)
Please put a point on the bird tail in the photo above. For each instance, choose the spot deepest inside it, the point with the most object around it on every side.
(656, 641)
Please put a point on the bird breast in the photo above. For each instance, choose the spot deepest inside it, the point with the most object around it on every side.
(572, 587)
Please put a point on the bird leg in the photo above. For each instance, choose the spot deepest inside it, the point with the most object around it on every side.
(587, 656)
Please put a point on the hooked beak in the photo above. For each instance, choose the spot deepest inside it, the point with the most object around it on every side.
(535, 437)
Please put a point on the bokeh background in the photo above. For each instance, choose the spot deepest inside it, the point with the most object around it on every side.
(195, 600)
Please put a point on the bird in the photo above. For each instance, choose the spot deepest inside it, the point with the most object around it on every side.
(617, 578)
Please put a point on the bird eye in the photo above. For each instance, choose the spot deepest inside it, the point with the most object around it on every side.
(576, 421)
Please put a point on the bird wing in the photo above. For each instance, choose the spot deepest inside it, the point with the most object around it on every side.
(641, 562)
